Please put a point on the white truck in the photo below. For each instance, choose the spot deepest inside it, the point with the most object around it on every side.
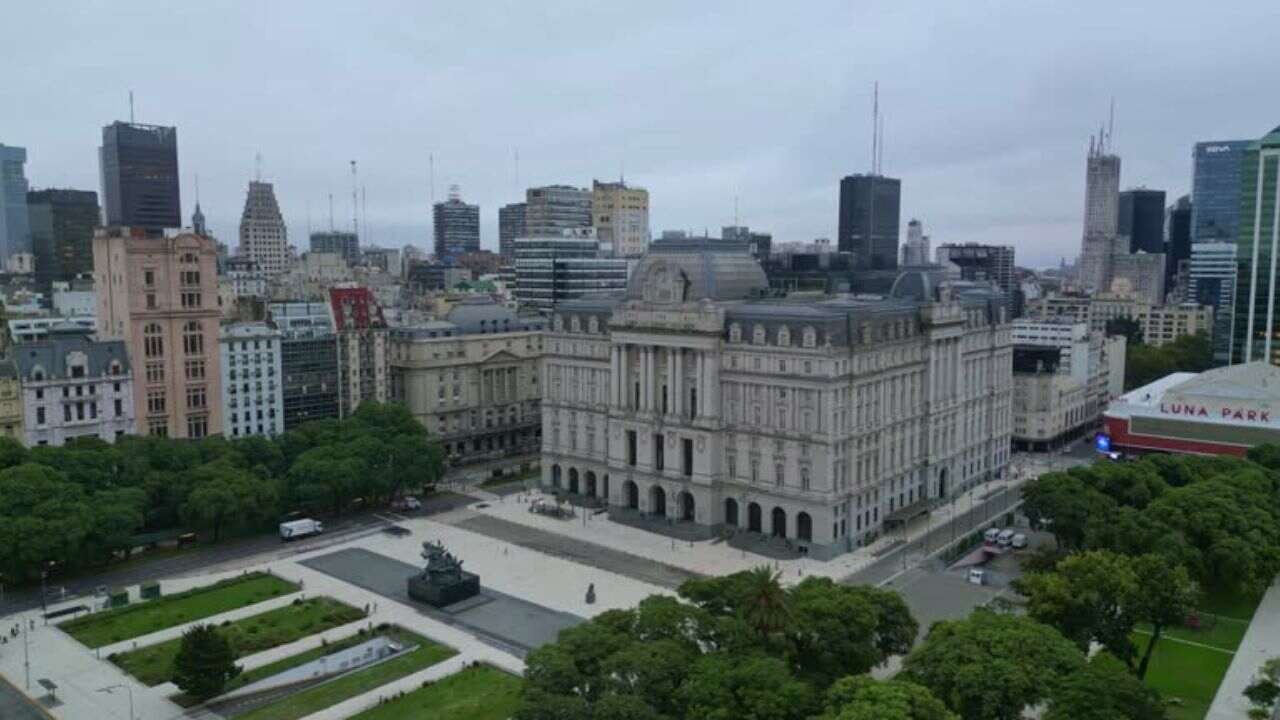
(295, 529)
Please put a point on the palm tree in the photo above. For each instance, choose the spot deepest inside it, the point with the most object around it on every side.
(764, 602)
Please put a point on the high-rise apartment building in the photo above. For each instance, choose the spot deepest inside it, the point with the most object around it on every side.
(1257, 321)
(1101, 215)
(870, 207)
(551, 210)
(252, 387)
(337, 242)
(15, 229)
(915, 251)
(1178, 250)
(160, 295)
(308, 361)
(62, 225)
(362, 347)
(511, 225)
(1212, 282)
(139, 168)
(1141, 219)
(1215, 190)
(456, 226)
(620, 215)
(263, 237)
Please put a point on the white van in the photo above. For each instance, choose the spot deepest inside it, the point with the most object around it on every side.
(1005, 538)
(977, 576)
(991, 535)
(1019, 541)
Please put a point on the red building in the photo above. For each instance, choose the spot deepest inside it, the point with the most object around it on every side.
(1224, 411)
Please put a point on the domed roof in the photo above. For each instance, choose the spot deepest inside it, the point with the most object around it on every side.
(673, 277)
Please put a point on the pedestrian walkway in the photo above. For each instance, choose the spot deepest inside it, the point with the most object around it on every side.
(1261, 643)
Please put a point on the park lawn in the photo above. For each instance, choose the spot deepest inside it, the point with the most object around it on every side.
(1231, 604)
(131, 621)
(481, 692)
(1186, 672)
(1225, 633)
(343, 688)
(153, 664)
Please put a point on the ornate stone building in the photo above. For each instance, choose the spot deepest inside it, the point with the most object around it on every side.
(693, 399)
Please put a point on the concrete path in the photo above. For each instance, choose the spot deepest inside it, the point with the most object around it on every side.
(1261, 642)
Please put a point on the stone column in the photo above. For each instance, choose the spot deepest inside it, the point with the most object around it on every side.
(701, 384)
(677, 376)
(713, 388)
(650, 356)
(623, 378)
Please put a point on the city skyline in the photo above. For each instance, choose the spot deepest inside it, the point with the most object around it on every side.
(998, 163)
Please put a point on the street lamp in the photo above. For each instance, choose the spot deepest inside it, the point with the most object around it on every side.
(108, 690)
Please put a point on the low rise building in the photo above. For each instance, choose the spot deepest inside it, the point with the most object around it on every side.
(10, 401)
(1064, 374)
(472, 380)
(1224, 411)
(252, 387)
(1160, 324)
(74, 385)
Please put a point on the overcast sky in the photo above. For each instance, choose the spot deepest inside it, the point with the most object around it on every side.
(988, 106)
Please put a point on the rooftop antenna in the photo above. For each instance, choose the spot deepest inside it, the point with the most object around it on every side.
(197, 189)
(1111, 121)
(875, 124)
(330, 212)
(880, 157)
(257, 167)
(130, 107)
(735, 210)
(355, 204)
(364, 211)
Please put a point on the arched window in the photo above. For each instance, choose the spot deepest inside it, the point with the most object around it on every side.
(153, 340)
(784, 336)
(192, 338)
(810, 337)
(735, 333)
(757, 335)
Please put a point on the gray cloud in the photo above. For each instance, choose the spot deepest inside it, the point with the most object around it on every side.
(988, 105)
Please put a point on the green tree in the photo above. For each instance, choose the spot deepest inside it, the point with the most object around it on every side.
(1166, 595)
(1145, 363)
(862, 698)
(1064, 503)
(990, 666)
(1089, 597)
(836, 630)
(1104, 689)
(204, 663)
(722, 686)
(764, 603)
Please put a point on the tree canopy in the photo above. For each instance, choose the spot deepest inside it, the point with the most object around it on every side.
(1147, 363)
(82, 503)
(204, 663)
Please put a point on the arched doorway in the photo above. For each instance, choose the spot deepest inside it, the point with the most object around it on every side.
(555, 476)
(686, 506)
(591, 483)
(754, 523)
(731, 512)
(942, 483)
(632, 494)
(573, 480)
(657, 500)
(779, 525)
(804, 527)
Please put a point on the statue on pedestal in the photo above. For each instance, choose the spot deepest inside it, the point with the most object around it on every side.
(443, 581)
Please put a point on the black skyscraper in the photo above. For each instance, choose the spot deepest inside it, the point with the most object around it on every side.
(1142, 219)
(139, 165)
(62, 223)
(1179, 250)
(869, 220)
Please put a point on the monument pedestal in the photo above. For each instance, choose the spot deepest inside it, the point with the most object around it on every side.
(441, 593)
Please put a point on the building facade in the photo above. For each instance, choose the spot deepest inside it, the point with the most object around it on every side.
(11, 405)
(819, 424)
(915, 251)
(336, 242)
(870, 213)
(139, 169)
(1064, 374)
(620, 215)
(160, 295)
(252, 387)
(15, 228)
(1215, 190)
(308, 361)
(511, 225)
(1212, 282)
(245, 277)
(472, 379)
(1140, 218)
(551, 210)
(263, 236)
(549, 270)
(759, 244)
(1140, 273)
(1178, 251)
(456, 226)
(74, 386)
(362, 347)
(1258, 252)
(1101, 216)
(1160, 324)
(62, 224)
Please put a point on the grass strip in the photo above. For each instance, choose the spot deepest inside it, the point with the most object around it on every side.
(131, 621)
(479, 692)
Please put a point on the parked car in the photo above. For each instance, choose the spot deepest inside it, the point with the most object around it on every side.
(408, 502)
(1019, 541)
(991, 535)
(1005, 538)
